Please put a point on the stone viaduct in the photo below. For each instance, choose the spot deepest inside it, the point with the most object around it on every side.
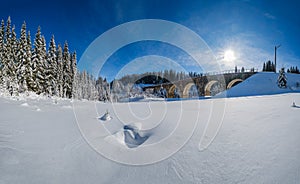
(207, 85)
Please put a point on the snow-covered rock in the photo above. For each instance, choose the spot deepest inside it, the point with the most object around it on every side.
(106, 117)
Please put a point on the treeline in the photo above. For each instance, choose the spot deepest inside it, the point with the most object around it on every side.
(242, 70)
(26, 67)
(154, 77)
(268, 67)
(31, 67)
(51, 71)
(293, 69)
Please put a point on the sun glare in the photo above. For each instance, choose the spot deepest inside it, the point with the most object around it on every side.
(229, 55)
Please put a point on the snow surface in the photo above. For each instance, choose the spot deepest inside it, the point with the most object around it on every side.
(264, 83)
(257, 143)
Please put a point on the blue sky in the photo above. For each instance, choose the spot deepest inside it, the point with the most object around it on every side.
(249, 28)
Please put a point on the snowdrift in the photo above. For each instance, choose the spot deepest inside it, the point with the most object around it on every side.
(258, 143)
(130, 136)
(263, 83)
(40, 141)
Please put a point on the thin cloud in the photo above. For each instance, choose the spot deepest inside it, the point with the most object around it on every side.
(269, 16)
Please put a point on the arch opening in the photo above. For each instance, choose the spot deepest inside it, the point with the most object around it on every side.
(190, 90)
(234, 83)
(174, 92)
(213, 87)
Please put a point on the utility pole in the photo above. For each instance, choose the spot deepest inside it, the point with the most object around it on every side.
(276, 47)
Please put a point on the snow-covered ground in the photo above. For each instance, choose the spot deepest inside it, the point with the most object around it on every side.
(258, 142)
(264, 83)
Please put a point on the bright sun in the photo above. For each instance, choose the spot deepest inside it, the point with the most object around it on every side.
(229, 55)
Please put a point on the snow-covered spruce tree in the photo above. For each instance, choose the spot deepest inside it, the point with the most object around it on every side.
(23, 64)
(38, 60)
(80, 85)
(67, 72)
(100, 87)
(6, 55)
(107, 90)
(83, 84)
(14, 45)
(77, 91)
(30, 78)
(1, 53)
(13, 63)
(92, 85)
(10, 59)
(282, 80)
(51, 69)
(23, 68)
(89, 84)
(74, 74)
(60, 71)
(117, 89)
(43, 66)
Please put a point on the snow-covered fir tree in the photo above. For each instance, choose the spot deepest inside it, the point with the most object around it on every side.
(25, 67)
(117, 89)
(14, 62)
(23, 64)
(60, 71)
(84, 85)
(75, 75)
(6, 55)
(38, 60)
(10, 59)
(67, 72)
(51, 69)
(103, 89)
(89, 87)
(43, 65)
(76, 90)
(92, 86)
(282, 80)
(74, 86)
(31, 84)
(2, 37)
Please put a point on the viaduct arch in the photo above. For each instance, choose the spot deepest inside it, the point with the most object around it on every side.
(233, 83)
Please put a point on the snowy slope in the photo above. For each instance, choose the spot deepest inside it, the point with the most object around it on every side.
(263, 83)
(258, 142)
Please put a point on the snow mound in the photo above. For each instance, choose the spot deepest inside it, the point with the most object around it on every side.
(133, 139)
(24, 105)
(263, 83)
(130, 136)
(106, 117)
(133, 136)
(294, 105)
(133, 127)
